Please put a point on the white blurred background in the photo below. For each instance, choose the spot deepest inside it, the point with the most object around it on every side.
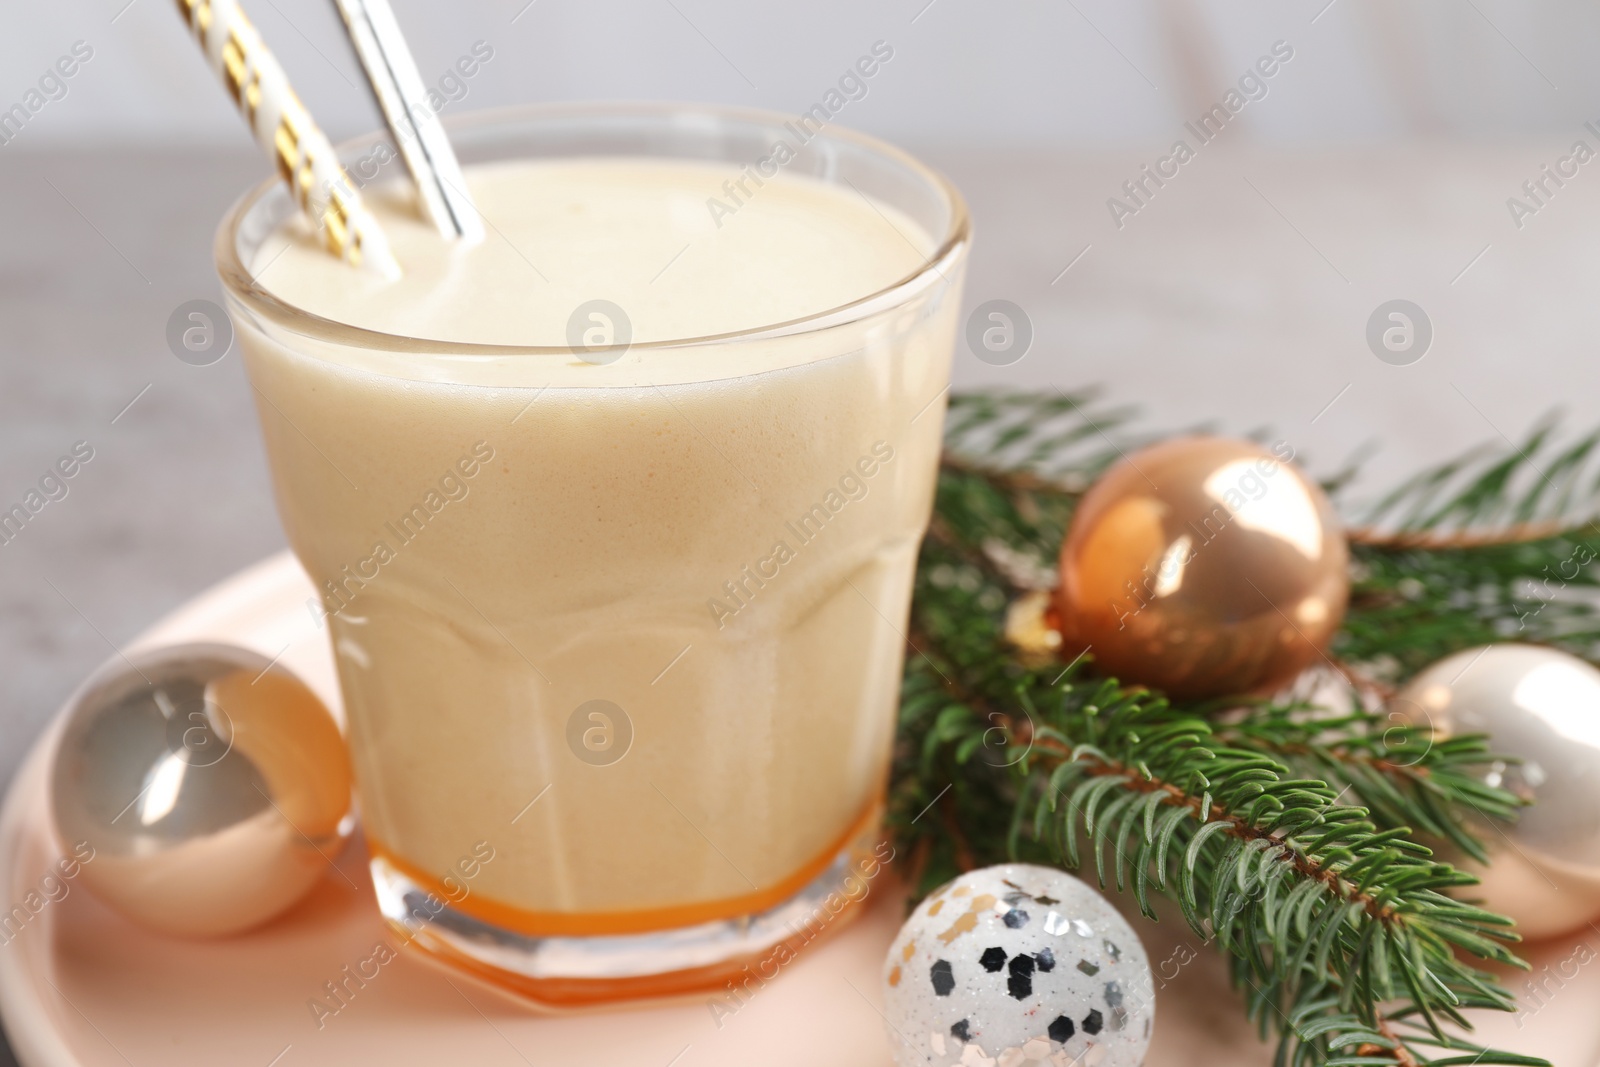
(1065, 73)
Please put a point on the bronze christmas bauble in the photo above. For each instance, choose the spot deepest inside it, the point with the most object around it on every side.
(1203, 567)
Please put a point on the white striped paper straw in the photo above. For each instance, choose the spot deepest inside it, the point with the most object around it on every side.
(286, 132)
(402, 97)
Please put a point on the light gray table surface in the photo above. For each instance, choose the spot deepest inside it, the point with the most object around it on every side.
(1238, 296)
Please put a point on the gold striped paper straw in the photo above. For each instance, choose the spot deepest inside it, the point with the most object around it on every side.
(286, 132)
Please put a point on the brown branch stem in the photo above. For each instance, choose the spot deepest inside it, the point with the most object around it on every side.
(1399, 1052)
(1435, 540)
(1237, 826)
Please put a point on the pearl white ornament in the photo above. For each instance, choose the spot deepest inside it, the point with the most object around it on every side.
(1542, 706)
(1017, 965)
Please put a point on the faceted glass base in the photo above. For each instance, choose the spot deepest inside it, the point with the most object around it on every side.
(575, 971)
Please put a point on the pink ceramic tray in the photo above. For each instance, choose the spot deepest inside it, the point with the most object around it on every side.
(81, 986)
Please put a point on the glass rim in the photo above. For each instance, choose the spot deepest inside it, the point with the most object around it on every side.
(241, 284)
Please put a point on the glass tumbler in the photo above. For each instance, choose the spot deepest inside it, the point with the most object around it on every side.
(619, 641)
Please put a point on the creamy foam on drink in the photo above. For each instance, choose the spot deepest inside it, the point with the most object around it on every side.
(716, 539)
(635, 232)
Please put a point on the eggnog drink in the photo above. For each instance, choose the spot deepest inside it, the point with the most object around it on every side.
(631, 620)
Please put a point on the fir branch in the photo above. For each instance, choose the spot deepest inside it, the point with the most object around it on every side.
(1410, 607)
(1399, 771)
(1539, 484)
(1341, 931)
(1062, 438)
(1434, 788)
(1313, 901)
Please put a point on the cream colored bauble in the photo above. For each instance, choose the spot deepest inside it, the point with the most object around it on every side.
(1541, 706)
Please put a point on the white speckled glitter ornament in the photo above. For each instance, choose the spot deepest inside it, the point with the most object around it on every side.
(1015, 965)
